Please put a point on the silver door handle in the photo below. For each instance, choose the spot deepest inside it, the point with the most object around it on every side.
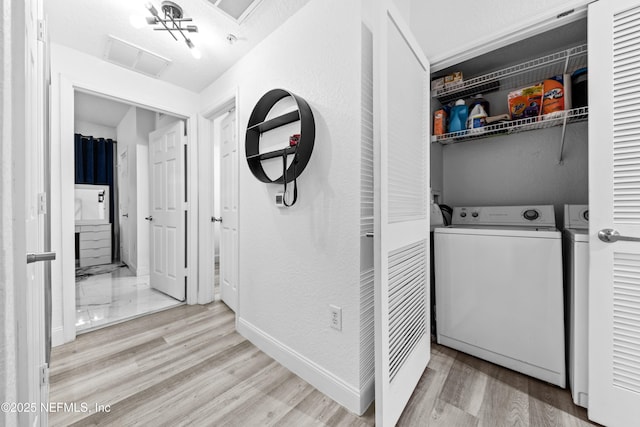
(214, 219)
(126, 215)
(148, 218)
(44, 256)
(609, 235)
(368, 235)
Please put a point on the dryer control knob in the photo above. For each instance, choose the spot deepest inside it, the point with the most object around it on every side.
(475, 214)
(531, 214)
(463, 214)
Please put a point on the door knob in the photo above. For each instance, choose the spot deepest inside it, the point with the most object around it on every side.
(214, 219)
(44, 256)
(148, 218)
(125, 215)
(609, 235)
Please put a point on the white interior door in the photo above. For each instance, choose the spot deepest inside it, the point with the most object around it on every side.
(33, 351)
(614, 203)
(168, 210)
(123, 203)
(229, 211)
(401, 237)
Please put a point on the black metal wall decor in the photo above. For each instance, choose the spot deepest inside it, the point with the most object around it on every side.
(300, 146)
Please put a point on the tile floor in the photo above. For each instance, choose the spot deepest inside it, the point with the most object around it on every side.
(112, 297)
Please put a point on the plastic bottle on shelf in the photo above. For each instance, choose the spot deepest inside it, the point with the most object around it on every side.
(477, 118)
(478, 99)
(459, 113)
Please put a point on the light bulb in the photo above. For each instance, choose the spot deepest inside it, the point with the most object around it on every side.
(137, 21)
(195, 52)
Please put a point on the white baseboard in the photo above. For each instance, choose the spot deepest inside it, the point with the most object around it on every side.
(345, 394)
(57, 336)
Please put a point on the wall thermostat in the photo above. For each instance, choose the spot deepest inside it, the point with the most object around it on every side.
(280, 199)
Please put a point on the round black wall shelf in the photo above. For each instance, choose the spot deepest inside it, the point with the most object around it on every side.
(258, 125)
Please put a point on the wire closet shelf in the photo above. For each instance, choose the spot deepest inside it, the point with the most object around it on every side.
(515, 126)
(518, 75)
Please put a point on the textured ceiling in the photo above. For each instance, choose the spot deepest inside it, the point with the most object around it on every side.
(84, 25)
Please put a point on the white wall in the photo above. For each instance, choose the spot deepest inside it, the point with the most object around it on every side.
(295, 262)
(443, 30)
(519, 169)
(72, 70)
(95, 130)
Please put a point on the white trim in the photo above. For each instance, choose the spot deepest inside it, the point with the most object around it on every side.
(57, 336)
(63, 227)
(64, 188)
(344, 394)
(205, 250)
(519, 31)
(192, 215)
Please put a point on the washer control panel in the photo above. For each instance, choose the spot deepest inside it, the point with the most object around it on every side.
(522, 216)
(576, 216)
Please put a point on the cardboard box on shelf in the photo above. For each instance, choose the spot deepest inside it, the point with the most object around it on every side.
(437, 83)
(453, 80)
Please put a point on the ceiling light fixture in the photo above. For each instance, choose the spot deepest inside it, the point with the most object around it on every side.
(171, 21)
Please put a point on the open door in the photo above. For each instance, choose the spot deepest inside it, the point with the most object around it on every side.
(168, 210)
(33, 308)
(229, 209)
(614, 206)
(401, 236)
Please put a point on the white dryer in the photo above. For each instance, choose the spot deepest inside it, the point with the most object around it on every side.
(576, 267)
(499, 288)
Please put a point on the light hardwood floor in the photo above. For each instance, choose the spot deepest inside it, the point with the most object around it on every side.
(187, 366)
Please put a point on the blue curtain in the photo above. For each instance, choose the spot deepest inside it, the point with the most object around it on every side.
(94, 163)
(79, 157)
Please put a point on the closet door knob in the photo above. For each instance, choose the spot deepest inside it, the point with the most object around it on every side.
(44, 256)
(214, 219)
(148, 218)
(609, 235)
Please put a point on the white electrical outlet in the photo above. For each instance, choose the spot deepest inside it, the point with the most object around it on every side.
(335, 321)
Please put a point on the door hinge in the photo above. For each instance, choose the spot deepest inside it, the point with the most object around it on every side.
(44, 374)
(41, 30)
(42, 203)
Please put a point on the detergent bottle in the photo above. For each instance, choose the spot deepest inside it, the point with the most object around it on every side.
(459, 113)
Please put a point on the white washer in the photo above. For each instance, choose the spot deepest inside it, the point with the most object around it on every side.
(499, 288)
(576, 244)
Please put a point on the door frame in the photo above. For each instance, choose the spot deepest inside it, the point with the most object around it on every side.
(205, 150)
(62, 189)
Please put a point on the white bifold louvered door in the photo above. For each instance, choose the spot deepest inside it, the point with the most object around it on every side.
(614, 191)
(401, 216)
(168, 210)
